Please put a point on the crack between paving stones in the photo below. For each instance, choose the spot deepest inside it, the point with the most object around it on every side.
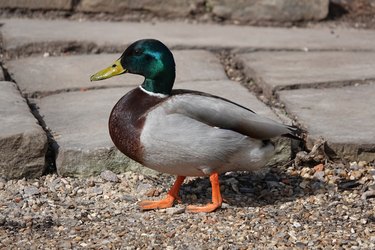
(322, 85)
(50, 157)
(86, 48)
(236, 50)
(56, 49)
(235, 71)
(42, 94)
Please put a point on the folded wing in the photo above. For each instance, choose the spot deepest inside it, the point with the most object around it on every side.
(219, 112)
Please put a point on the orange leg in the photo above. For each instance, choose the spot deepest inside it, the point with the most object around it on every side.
(168, 201)
(216, 197)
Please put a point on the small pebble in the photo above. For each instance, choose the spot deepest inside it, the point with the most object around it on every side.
(341, 173)
(319, 175)
(109, 176)
(130, 198)
(143, 188)
(319, 167)
(30, 191)
(17, 199)
(151, 192)
(175, 210)
(296, 224)
(2, 220)
(304, 184)
(354, 166)
(273, 184)
(348, 184)
(362, 164)
(300, 245)
(305, 171)
(91, 183)
(317, 185)
(97, 190)
(355, 175)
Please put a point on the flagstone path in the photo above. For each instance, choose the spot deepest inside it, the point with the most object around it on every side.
(325, 78)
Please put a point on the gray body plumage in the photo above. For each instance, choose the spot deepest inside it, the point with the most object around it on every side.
(195, 135)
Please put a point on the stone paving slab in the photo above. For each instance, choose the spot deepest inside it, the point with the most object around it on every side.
(24, 32)
(37, 4)
(280, 10)
(284, 70)
(160, 8)
(23, 143)
(345, 117)
(50, 74)
(78, 121)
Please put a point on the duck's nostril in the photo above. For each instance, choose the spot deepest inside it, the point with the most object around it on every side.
(114, 66)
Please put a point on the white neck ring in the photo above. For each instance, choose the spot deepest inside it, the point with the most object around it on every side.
(152, 93)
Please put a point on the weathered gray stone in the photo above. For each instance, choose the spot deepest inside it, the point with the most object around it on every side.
(2, 78)
(51, 74)
(23, 143)
(284, 70)
(280, 10)
(30, 191)
(37, 4)
(96, 190)
(109, 176)
(345, 117)
(81, 132)
(170, 7)
(175, 210)
(19, 33)
(143, 188)
(222, 11)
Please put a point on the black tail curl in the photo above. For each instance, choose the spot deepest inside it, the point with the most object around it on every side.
(295, 133)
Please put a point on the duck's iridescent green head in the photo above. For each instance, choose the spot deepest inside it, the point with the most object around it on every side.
(149, 58)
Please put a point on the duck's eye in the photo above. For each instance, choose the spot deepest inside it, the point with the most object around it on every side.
(137, 52)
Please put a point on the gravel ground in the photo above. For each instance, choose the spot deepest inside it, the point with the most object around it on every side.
(328, 206)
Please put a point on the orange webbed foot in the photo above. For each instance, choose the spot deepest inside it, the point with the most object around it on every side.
(165, 203)
(217, 200)
(168, 201)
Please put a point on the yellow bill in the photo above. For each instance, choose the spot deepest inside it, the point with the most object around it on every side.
(114, 70)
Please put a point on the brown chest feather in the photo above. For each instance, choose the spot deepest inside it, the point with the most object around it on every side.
(127, 119)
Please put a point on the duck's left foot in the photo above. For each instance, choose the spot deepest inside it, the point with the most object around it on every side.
(168, 201)
(217, 200)
(165, 203)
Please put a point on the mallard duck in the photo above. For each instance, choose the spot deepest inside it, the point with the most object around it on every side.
(184, 132)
